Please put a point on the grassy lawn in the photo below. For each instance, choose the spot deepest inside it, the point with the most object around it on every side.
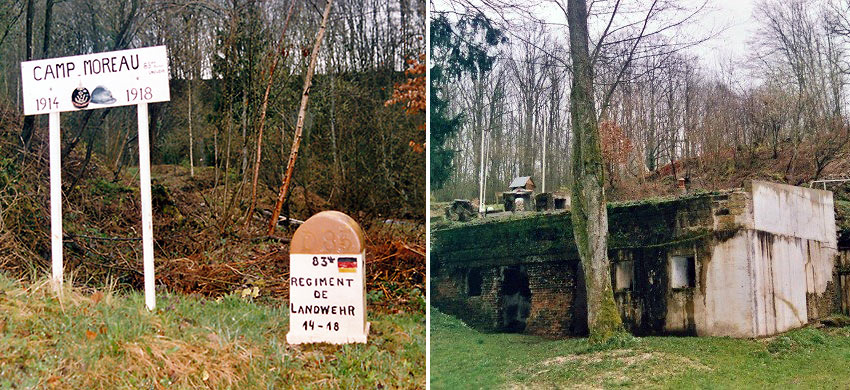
(107, 340)
(462, 358)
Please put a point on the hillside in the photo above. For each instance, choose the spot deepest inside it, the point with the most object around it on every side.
(205, 331)
(201, 243)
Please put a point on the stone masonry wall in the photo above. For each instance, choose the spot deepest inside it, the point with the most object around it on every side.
(557, 300)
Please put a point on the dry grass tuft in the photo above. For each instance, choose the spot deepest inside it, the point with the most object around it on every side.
(209, 361)
(635, 367)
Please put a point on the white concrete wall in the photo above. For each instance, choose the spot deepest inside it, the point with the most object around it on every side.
(804, 213)
(729, 299)
(756, 282)
(779, 282)
(755, 286)
(794, 211)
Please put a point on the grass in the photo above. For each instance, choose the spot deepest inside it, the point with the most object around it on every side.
(106, 339)
(462, 358)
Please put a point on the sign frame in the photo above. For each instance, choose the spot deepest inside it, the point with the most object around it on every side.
(153, 74)
(95, 81)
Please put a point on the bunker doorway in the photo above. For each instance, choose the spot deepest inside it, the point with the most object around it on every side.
(516, 299)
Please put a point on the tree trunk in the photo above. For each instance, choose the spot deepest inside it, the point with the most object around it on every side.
(263, 110)
(244, 168)
(589, 216)
(340, 174)
(26, 132)
(299, 126)
(215, 157)
(48, 20)
(191, 140)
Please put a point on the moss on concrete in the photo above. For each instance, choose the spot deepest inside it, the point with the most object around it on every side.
(842, 221)
(647, 224)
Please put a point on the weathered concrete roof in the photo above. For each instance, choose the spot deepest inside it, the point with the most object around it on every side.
(646, 223)
(763, 206)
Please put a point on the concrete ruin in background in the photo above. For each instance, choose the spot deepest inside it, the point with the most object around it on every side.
(521, 197)
(743, 263)
(461, 210)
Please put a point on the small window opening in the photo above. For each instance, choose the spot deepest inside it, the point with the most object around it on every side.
(473, 282)
(683, 272)
(560, 203)
(624, 273)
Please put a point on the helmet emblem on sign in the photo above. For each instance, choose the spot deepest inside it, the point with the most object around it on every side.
(101, 95)
(80, 97)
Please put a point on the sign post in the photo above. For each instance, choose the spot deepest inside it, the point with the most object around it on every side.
(92, 81)
(147, 212)
(327, 281)
(55, 198)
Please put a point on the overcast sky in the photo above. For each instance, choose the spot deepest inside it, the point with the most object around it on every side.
(730, 20)
(733, 21)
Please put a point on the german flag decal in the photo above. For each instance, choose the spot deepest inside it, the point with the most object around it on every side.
(347, 264)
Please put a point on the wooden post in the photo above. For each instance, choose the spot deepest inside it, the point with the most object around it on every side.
(482, 208)
(327, 281)
(147, 217)
(56, 199)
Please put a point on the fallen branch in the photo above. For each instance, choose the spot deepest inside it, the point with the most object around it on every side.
(271, 238)
(282, 219)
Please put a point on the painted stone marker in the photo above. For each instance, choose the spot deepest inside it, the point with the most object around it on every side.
(327, 281)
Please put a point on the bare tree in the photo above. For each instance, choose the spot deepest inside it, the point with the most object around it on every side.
(299, 127)
(280, 53)
(589, 214)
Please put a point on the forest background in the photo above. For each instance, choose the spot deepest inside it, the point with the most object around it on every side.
(776, 110)
(234, 71)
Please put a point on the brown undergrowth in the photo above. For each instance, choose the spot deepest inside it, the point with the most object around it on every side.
(732, 168)
(199, 244)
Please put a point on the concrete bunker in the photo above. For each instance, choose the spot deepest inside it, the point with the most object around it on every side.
(742, 263)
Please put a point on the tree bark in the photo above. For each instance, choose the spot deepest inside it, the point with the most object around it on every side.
(29, 120)
(48, 21)
(191, 140)
(589, 215)
(299, 126)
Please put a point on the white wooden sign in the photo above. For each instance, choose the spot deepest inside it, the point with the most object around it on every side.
(85, 82)
(92, 81)
(327, 295)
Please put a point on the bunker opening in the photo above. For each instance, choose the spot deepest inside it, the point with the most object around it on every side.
(516, 299)
(624, 273)
(473, 282)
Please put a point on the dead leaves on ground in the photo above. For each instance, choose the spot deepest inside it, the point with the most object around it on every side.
(395, 264)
